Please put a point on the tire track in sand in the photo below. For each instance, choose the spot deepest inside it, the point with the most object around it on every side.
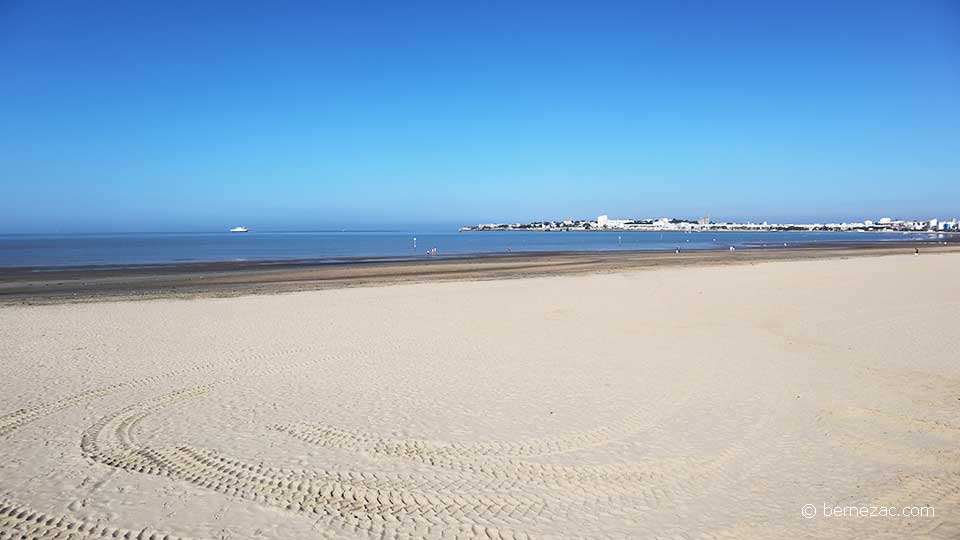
(482, 493)
(13, 421)
(19, 522)
(425, 450)
(468, 503)
(340, 501)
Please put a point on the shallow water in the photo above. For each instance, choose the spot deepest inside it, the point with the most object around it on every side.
(167, 248)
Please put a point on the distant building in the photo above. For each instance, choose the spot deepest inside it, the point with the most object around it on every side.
(604, 223)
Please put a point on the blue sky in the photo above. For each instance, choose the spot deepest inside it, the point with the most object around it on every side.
(153, 116)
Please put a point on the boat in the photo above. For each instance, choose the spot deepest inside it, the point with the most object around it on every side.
(239, 229)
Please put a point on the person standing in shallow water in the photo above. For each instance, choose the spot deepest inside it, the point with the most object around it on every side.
(916, 252)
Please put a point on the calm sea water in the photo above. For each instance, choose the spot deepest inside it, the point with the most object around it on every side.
(165, 248)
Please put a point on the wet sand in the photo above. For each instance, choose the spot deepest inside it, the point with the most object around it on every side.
(55, 285)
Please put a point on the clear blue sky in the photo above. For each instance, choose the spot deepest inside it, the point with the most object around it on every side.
(174, 115)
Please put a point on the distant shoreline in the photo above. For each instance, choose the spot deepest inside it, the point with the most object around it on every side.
(235, 278)
(603, 223)
(696, 231)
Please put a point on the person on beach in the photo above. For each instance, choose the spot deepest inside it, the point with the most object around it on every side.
(916, 252)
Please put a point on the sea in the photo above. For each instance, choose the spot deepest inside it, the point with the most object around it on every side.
(76, 250)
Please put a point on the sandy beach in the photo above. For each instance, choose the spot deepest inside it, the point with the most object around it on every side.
(696, 401)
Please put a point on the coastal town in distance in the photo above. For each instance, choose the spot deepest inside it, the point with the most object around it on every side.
(604, 223)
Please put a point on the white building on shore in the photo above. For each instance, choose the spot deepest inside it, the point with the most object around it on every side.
(604, 223)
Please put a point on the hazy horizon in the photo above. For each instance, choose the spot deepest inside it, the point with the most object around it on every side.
(154, 118)
(436, 227)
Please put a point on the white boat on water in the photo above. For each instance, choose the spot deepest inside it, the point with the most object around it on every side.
(238, 229)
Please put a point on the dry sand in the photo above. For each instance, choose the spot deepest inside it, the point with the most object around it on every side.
(701, 402)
